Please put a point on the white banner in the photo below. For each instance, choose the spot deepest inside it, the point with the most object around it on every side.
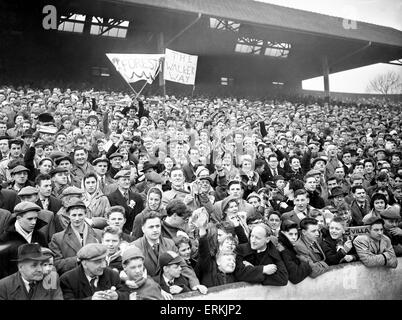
(136, 67)
(180, 67)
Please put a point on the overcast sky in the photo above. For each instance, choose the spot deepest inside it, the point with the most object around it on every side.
(382, 12)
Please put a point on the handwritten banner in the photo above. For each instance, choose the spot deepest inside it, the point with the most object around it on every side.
(353, 232)
(136, 67)
(180, 67)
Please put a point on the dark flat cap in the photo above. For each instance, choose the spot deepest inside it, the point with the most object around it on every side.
(58, 170)
(115, 155)
(97, 160)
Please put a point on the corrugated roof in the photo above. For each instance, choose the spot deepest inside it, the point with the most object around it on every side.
(277, 16)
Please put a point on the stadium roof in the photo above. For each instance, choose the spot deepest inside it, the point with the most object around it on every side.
(277, 16)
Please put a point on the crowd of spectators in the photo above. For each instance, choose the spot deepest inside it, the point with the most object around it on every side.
(106, 196)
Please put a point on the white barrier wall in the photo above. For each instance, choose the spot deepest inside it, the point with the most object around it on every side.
(342, 282)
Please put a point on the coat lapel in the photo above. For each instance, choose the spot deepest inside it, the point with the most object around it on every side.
(85, 287)
(71, 239)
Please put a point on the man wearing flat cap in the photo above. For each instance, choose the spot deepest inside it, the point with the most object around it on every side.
(92, 279)
(19, 178)
(69, 194)
(78, 233)
(170, 278)
(59, 181)
(27, 283)
(106, 183)
(115, 164)
(22, 228)
(375, 249)
(31, 194)
(137, 286)
(132, 202)
(392, 217)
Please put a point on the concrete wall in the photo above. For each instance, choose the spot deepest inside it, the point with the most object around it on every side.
(342, 282)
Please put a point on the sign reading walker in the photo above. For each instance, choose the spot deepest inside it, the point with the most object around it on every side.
(136, 67)
(180, 67)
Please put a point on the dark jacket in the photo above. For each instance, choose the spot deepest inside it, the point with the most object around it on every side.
(315, 200)
(5, 217)
(117, 199)
(8, 199)
(181, 281)
(13, 239)
(54, 204)
(13, 288)
(332, 255)
(150, 290)
(211, 276)
(269, 256)
(75, 285)
(297, 270)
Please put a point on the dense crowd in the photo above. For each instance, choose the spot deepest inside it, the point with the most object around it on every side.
(105, 196)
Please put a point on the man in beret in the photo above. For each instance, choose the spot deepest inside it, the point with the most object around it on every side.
(132, 202)
(28, 282)
(78, 233)
(375, 249)
(22, 228)
(138, 285)
(91, 279)
(392, 217)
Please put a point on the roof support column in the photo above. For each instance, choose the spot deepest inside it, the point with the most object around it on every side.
(160, 43)
(325, 70)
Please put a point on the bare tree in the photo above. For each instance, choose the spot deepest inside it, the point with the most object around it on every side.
(387, 83)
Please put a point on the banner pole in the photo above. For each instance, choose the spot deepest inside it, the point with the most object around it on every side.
(192, 92)
(139, 92)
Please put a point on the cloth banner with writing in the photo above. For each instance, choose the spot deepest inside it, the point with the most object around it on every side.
(180, 67)
(136, 67)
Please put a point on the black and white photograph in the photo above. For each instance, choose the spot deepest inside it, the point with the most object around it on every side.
(201, 153)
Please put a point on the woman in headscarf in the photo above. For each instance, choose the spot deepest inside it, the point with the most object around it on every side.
(153, 203)
(96, 202)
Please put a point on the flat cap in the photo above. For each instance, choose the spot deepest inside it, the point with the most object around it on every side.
(315, 160)
(92, 251)
(313, 173)
(100, 159)
(130, 253)
(206, 178)
(336, 192)
(58, 170)
(75, 203)
(60, 159)
(18, 169)
(148, 165)
(123, 173)
(392, 212)
(153, 177)
(71, 191)
(374, 219)
(115, 155)
(28, 191)
(26, 206)
(168, 258)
